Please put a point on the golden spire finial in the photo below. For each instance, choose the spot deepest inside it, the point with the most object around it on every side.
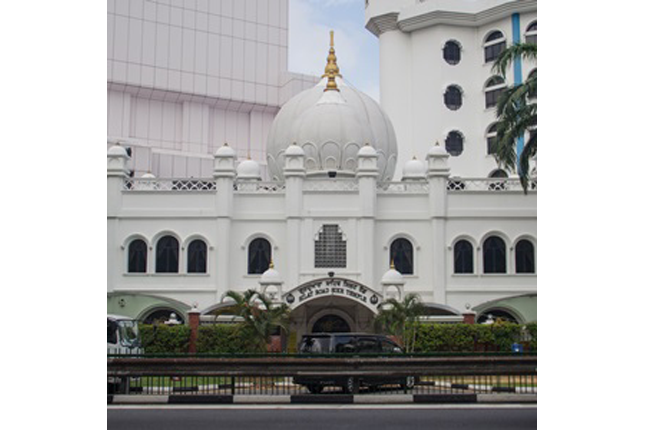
(331, 70)
(392, 264)
(271, 264)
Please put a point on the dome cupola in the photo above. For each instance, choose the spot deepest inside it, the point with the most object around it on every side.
(331, 122)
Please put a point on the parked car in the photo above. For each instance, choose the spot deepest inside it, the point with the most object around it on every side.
(349, 343)
(122, 339)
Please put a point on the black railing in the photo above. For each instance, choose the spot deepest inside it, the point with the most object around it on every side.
(220, 378)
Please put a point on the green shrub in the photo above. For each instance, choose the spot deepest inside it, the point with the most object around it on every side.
(222, 339)
(499, 336)
(163, 339)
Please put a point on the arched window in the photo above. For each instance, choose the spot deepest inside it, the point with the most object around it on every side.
(197, 256)
(259, 256)
(530, 79)
(497, 185)
(137, 256)
(452, 98)
(531, 33)
(494, 255)
(455, 143)
(463, 254)
(494, 44)
(491, 138)
(167, 260)
(524, 257)
(495, 86)
(402, 254)
(330, 248)
(452, 52)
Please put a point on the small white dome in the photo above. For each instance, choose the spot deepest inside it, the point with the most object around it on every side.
(117, 151)
(249, 169)
(271, 276)
(392, 277)
(414, 169)
(366, 151)
(225, 151)
(148, 175)
(438, 150)
(294, 149)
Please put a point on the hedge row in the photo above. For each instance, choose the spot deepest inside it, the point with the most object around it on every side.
(498, 337)
(212, 339)
(228, 339)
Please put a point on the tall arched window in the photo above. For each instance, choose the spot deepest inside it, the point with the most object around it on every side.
(137, 256)
(167, 260)
(524, 257)
(259, 256)
(494, 255)
(455, 143)
(452, 52)
(494, 88)
(491, 138)
(402, 254)
(452, 98)
(197, 256)
(463, 256)
(494, 44)
(531, 33)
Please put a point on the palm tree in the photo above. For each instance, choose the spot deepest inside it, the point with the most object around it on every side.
(260, 317)
(516, 114)
(399, 319)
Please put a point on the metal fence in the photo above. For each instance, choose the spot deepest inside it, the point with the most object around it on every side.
(283, 375)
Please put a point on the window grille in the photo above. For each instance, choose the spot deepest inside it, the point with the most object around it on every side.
(330, 248)
(452, 97)
(494, 255)
(455, 143)
(524, 257)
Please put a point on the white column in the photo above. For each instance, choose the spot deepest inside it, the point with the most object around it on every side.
(396, 99)
(294, 174)
(438, 173)
(367, 173)
(224, 174)
(117, 172)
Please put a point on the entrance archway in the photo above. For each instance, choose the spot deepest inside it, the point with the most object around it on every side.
(331, 324)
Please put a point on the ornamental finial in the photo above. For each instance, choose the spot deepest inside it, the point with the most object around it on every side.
(331, 70)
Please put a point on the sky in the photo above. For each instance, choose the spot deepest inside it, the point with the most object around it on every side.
(356, 48)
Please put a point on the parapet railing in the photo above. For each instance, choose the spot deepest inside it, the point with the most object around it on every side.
(488, 185)
(182, 185)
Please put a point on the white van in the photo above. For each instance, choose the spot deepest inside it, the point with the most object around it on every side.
(122, 335)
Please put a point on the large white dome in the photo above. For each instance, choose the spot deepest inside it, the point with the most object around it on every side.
(331, 127)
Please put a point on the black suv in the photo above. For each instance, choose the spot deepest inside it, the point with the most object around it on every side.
(349, 343)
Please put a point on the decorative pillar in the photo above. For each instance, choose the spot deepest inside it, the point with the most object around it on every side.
(392, 284)
(117, 173)
(294, 176)
(366, 173)
(224, 174)
(437, 174)
(193, 323)
(271, 284)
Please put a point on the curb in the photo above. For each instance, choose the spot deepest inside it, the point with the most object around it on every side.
(309, 399)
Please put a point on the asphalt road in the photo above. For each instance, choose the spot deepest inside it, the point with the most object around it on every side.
(337, 417)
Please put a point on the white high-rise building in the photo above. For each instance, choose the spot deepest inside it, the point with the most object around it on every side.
(437, 82)
(187, 76)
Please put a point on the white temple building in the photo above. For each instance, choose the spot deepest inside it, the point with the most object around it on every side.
(333, 232)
